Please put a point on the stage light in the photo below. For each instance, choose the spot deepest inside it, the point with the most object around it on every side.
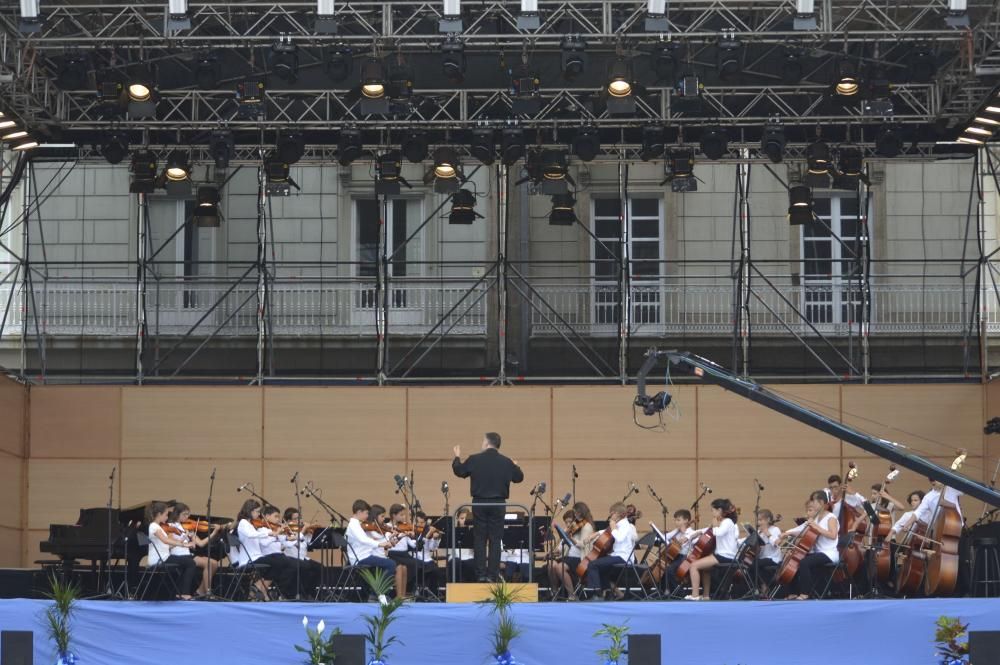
(728, 58)
(388, 173)
(14, 135)
(970, 140)
(340, 63)
(656, 16)
(73, 72)
(206, 70)
(143, 170)
(877, 96)
(958, 14)
(25, 143)
(31, 17)
(586, 143)
(805, 15)
(349, 146)
(774, 141)
(400, 78)
(482, 146)
(290, 146)
(562, 213)
(529, 18)
(714, 143)
(889, 141)
(524, 88)
(800, 204)
(414, 147)
(177, 15)
(177, 175)
(512, 145)
(326, 20)
(278, 177)
(453, 60)
(554, 165)
(141, 90)
(373, 79)
(7, 123)
(463, 208)
(206, 212)
(845, 81)
(574, 56)
(680, 170)
(285, 59)
(451, 16)
(250, 99)
(688, 87)
(620, 99)
(653, 142)
(446, 163)
(850, 162)
(114, 147)
(818, 158)
(665, 59)
(792, 68)
(221, 147)
(921, 65)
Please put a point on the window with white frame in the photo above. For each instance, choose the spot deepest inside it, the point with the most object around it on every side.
(402, 218)
(831, 293)
(645, 249)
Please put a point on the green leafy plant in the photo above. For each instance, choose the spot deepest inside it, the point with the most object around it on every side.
(64, 596)
(949, 631)
(320, 649)
(378, 624)
(617, 647)
(506, 630)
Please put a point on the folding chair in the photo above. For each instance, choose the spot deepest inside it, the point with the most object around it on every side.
(738, 569)
(245, 577)
(155, 570)
(348, 580)
(636, 570)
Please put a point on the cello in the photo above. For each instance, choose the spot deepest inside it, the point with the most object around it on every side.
(942, 551)
(668, 553)
(704, 546)
(602, 545)
(803, 544)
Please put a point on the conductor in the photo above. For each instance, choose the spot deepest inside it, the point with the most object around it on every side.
(492, 474)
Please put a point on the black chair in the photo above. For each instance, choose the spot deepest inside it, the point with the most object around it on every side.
(634, 575)
(985, 582)
(243, 583)
(156, 571)
(348, 582)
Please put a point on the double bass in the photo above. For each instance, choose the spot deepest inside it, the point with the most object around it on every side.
(849, 521)
(879, 534)
(942, 550)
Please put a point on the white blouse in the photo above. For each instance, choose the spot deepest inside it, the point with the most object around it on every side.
(726, 536)
(158, 551)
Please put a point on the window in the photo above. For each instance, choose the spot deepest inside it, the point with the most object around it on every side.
(402, 219)
(645, 225)
(831, 294)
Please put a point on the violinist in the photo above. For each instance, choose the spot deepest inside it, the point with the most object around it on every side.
(623, 549)
(824, 552)
(295, 545)
(726, 536)
(769, 556)
(365, 550)
(466, 556)
(684, 534)
(178, 516)
(284, 570)
(580, 529)
(162, 546)
(428, 537)
(406, 545)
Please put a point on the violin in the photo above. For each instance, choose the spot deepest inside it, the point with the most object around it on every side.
(172, 530)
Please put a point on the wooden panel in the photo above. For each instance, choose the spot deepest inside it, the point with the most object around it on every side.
(601, 483)
(10, 547)
(592, 422)
(439, 418)
(928, 419)
(472, 592)
(75, 421)
(335, 423)
(191, 422)
(731, 427)
(12, 396)
(144, 480)
(58, 489)
(341, 482)
(11, 486)
(787, 484)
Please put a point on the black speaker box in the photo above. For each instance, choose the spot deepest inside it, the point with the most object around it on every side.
(643, 650)
(984, 647)
(16, 647)
(350, 649)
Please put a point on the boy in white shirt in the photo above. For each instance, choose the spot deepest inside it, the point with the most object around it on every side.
(364, 550)
(622, 551)
(681, 532)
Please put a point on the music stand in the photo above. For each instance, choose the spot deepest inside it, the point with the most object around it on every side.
(563, 536)
(516, 537)
(871, 573)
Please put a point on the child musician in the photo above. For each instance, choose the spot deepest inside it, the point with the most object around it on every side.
(258, 545)
(823, 553)
(180, 514)
(295, 544)
(685, 535)
(402, 551)
(623, 550)
(465, 555)
(769, 554)
(726, 536)
(580, 529)
(365, 550)
(161, 545)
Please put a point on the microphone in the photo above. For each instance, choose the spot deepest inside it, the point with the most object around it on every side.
(652, 491)
(575, 474)
(538, 489)
(707, 489)
(242, 487)
(632, 487)
(399, 482)
(295, 477)
(444, 487)
(565, 499)
(113, 469)
(213, 473)
(759, 486)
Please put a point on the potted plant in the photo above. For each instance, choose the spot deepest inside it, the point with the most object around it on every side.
(320, 649)
(616, 649)
(378, 624)
(949, 631)
(506, 629)
(57, 617)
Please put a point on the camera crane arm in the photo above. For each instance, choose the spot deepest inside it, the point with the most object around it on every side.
(890, 450)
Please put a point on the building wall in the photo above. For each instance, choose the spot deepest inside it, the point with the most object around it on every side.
(13, 403)
(351, 441)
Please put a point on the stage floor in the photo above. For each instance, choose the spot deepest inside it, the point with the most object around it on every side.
(859, 632)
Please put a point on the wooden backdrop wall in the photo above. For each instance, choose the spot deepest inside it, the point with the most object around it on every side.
(351, 441)
(13, 401)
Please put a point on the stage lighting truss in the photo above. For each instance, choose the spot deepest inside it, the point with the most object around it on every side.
(800, 204)
(144, 173)
(574, 56)
(463, 208)
(206, 212)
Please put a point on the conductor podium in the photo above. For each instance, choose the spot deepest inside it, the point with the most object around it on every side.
(475, 592)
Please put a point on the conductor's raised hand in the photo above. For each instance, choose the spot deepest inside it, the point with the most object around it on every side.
(457, 450)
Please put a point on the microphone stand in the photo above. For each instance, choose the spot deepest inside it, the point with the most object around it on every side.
(993, 485)
(759, 490)
(694, 506)
(109, 590)
(298, 540)
(210, 595)
(663, 507)
(310, 491)
(575, 476)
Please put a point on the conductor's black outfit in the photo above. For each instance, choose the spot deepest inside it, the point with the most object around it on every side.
(492, 474)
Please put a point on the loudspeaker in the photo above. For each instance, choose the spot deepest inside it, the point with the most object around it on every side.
(643, 650)
(984, 647)
(16, 647)
(350, 649)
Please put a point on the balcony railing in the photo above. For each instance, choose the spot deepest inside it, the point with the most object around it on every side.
(345, 307)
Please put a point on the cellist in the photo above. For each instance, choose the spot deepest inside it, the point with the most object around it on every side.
(726, 543)
(824, 552)
(623, 550)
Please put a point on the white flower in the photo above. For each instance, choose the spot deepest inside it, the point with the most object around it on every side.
(320, 627)
(305, 622)
(382, 599)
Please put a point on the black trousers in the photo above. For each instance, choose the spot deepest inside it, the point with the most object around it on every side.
(424, 572)
(188, 572)
(281, 571)
(466, 570)
(805, 579)
(487, 524)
